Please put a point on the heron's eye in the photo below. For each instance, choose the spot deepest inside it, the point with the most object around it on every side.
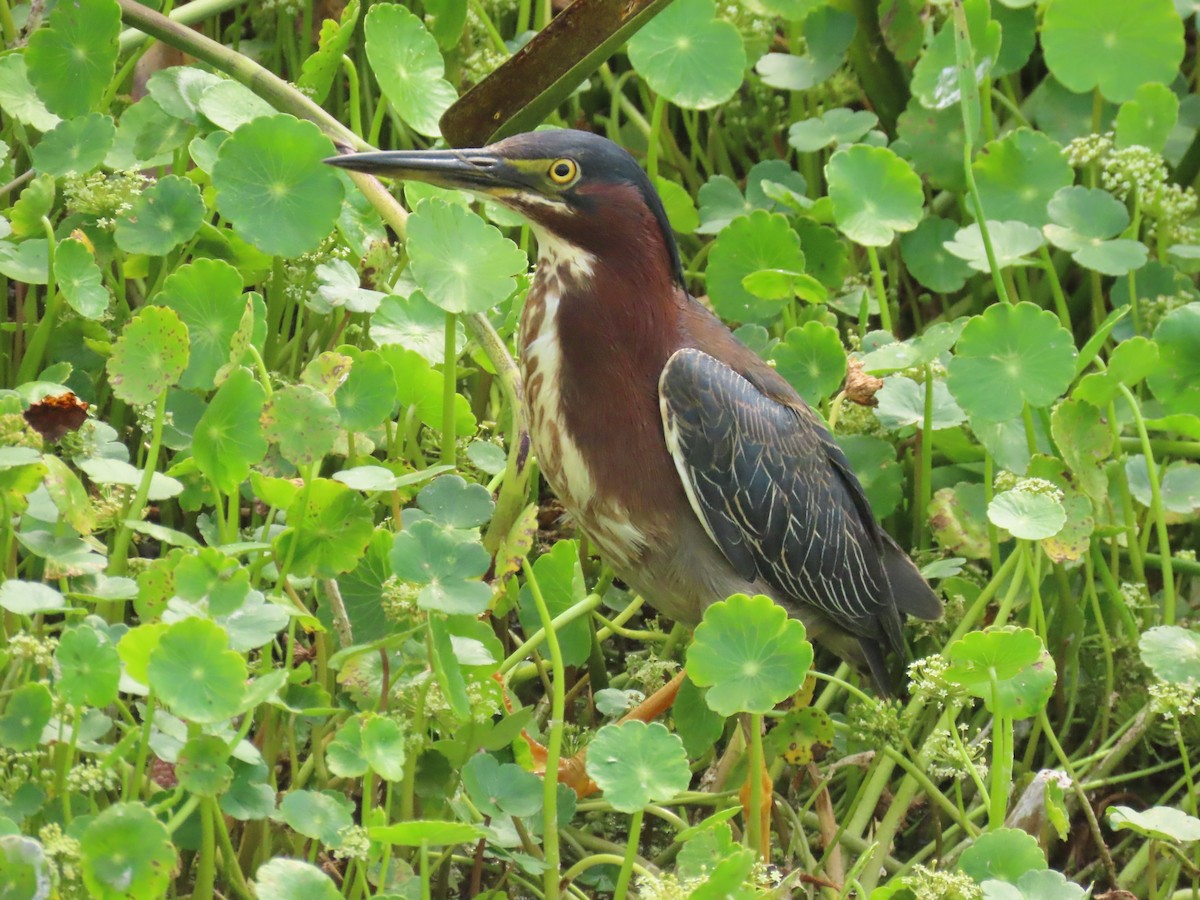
(563, 171)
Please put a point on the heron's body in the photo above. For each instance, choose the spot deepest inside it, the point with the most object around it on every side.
(692, 465)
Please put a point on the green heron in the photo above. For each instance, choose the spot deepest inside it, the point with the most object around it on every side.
(694, 467)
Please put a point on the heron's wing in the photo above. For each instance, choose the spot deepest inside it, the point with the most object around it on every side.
(777, 495)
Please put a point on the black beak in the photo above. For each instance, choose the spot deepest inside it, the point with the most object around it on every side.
(482, 171)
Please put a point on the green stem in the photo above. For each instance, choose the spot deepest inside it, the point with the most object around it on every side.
(885, 312)
(754, 774)
(32, 360)
(120, 552)
(554, 737)
(1056, 289)
(926, 496)
(656, 120)
(206, 857)
(449, 389)
(631, 845)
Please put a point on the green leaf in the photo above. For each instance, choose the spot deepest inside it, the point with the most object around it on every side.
(24, 869)
(874, 193)
(834, 126)
(162, 217)
(126, 852)
(1005, 854)
(1018, 174)
(383, 747)
(150, 355)
(338, 286)
(320, 69)
(26, 713)
(797, 735)
(79, 279)
(207, 295)
(560, 578)
(935, 78)
(195, 674)
(1171, 653)
(1012, 242)
(416, 324)
(813, 360)
(419, 386)
(203, 766)
(302, 421)
(291, 879)
(272, 185)
(1162, 823)
(88, 667)
(501, 790)
(1113, 45)
(637, 764)
(1176, 380)
(73, 57)
(933, 141)
(408, 66)
(958, 520)
(366, 398)
(142, 137)
(902, 403)
(17, 97)
(318, 815)
(344, 755)
(446, 668)
(1025, 515)
(35, 203)
(1084, 220)
(178, 90)
(1009, 356)
(1148, 119)
(74, 146)
(28, 261)
(827, 32)
(249, 796)
(689, 55)
(927, 259)
(28, 598)
(329, 527)
(750, 243)
(447, 563)
(749, 654)
(1131, 361)
(677, 201)
(1009, 669)
(460, 262)
(228, 439)
(455, 503)
(874, 459)
(230, 105)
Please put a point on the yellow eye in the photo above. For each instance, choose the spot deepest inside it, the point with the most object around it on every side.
(563, 171)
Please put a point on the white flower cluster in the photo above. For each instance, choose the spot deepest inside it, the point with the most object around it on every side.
(1175, 700)
(89, 777)
(39, 651)
(354, 843)
(1088, 149)
(927, 680)
(930, 884)
(62, 849)
(399, 600)
(946, 759)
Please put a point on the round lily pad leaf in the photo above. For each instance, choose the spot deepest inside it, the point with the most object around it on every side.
(461, 263)
(73, 57)
(383, 744)
(813, 360)
(1018, 29)
(126, 852)
(933, 140)
(320, 815)
(874, 194)
(195, 673)
(203, 766)
(229, 104)
(749, 244)
(28, 598)
(329, 527)
(366, 398)
(802, 735)
(75, 146)
(207, 295)
(17, 97)
(273, 187)
(1004, 854)
(935, 77)
(874, 459)
(28, 261)
(1028, 516)
(835, 126)
(501, 790)
(228, 439)
(1176, 381)
(416, 324)
(636, 764)
(24, 869)
(1012, 242)
(689, 55)
(150, 355)
(447, 563)
(165, 215)
(1172, 653)
(677, 201)
(1018, 174)
(1113, 45)
(178, 89)
(1084, 222)
(1009, 356)
(79, 279)
(25, 715)
(291, 879)
(1009, 669)
(409, 67)
(302, 421)
(828, 32)
(1148, 119)
(902, 403)
(455, 503)
(749, 654)
(1162, 823)
(927, 259)
(88, 667)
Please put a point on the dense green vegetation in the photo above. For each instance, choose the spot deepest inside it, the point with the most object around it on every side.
(966, 232)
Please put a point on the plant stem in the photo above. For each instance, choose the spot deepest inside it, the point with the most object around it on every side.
(755, 839)
(885, 312)
(631, 845)
(553, 739)
(120, 551)
(449, 390)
